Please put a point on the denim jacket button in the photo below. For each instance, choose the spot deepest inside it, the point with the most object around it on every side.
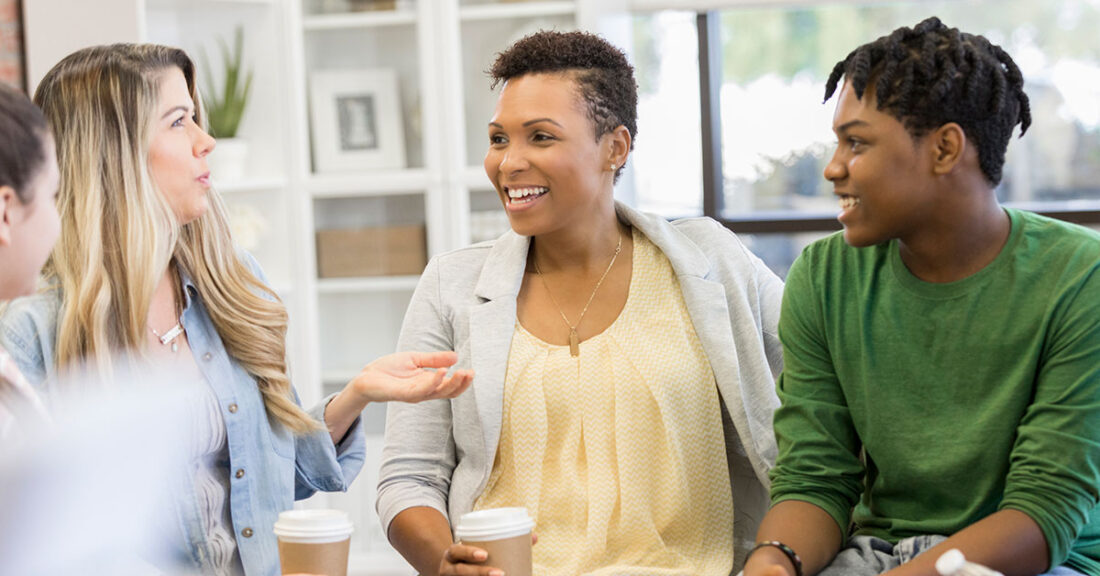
(240, 473)
(207, 356)
(232, 408)
(247, 532)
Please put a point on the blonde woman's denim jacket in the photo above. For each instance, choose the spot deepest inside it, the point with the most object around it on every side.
(270, 468)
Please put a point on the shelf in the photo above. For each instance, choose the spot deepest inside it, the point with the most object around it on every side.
(190, 4)
(382, 183)
(354, 20)
(367, 284)
(250, 185)
(516, 10)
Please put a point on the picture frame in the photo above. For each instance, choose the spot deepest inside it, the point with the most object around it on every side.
(355, 118)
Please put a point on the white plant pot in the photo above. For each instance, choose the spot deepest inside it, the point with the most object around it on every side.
(228, 159)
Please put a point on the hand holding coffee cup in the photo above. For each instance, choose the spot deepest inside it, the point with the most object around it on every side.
(498, 539)
(314, 542)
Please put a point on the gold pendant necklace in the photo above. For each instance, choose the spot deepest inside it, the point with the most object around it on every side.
(574, 340)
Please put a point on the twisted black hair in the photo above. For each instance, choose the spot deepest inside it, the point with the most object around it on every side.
(930, 75)
(602, 73)
(23, 133)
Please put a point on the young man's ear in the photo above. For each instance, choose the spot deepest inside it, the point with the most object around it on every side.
(8, 202)
(949, 145)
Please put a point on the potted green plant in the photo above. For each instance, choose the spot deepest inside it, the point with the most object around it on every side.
(225, 107)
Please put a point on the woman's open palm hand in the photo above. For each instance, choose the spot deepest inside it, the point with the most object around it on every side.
(411, 377)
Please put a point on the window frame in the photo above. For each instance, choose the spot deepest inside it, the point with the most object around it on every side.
(1084, 212)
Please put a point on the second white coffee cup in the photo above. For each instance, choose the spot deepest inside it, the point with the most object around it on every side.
(314, 541)
(505, 533)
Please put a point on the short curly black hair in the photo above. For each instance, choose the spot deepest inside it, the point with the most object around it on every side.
(930, 75)
(602, 72)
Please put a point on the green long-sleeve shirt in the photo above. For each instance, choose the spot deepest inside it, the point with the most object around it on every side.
(967, 397)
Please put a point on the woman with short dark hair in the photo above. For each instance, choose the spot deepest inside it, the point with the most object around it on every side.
(625, 364)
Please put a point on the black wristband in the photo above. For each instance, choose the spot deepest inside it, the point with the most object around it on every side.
(786, 550)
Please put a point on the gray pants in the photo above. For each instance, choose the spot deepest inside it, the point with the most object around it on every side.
(867, 556)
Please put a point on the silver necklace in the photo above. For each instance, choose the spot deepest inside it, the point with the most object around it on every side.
(169, 337)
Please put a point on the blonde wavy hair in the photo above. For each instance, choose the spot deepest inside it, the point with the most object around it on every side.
(119, 233)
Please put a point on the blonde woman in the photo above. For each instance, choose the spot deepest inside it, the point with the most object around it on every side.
(145, 266)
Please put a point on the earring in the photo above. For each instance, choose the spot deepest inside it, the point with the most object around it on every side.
(613, 167)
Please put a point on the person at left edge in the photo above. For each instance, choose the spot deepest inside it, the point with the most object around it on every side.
(146, 270)
(28, 229)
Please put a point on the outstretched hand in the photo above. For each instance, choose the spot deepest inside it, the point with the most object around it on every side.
(411, 377)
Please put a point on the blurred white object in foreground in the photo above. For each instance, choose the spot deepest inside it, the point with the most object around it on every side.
(92, 493)
(953, 563)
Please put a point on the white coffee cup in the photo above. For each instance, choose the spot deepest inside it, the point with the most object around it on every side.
(314, 541)
(505, 533)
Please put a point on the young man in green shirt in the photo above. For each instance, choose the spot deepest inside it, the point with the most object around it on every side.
(941, 386)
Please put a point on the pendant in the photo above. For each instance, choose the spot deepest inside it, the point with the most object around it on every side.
(171, 335)
(574, 344)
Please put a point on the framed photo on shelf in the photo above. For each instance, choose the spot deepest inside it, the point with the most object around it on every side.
(355, 118)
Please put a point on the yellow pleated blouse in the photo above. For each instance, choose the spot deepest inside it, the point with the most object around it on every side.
(618, 454)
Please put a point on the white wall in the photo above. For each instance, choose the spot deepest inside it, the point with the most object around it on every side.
(52, 29)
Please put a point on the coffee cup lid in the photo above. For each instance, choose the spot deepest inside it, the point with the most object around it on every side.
(494, 524)
(313, 526)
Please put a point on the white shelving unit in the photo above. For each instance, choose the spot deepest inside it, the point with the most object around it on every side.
(250, 185)
(359, 20)
(439, 50)
(366, 285)
(498, 11)
(379, 183)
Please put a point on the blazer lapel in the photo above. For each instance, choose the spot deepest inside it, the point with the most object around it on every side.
(705, 299)
(492, 324)
(706, 303)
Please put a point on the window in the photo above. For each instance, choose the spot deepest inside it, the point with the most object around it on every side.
(763, 175)
(667, 175)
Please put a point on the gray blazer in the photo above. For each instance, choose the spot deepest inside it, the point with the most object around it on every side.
(440, 453)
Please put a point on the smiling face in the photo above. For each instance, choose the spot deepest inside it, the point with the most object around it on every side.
(549, 169)
(177, 153)
(882, 176)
